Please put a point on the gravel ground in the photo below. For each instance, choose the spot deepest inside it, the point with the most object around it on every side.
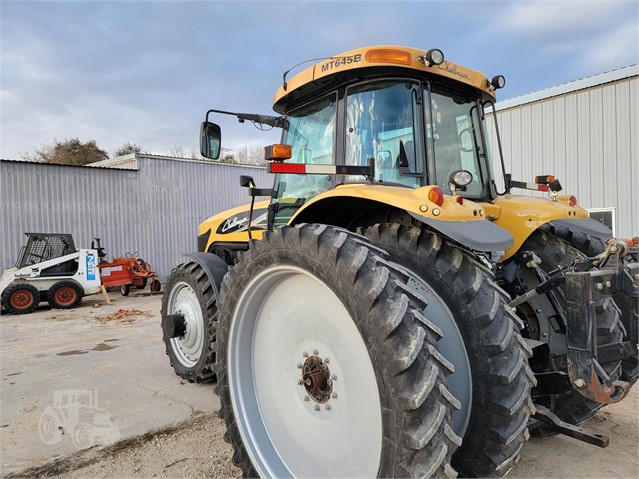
(196, 449)
(189, 443)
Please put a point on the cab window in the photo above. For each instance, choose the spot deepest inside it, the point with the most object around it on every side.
(310, 131)
(380, 128)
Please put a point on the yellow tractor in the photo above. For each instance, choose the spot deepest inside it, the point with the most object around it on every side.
(391, 309)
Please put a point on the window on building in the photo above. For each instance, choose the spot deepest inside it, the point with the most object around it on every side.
(605, 216)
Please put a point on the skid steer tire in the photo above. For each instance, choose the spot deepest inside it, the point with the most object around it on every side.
(189, 292)
(64, 295)
(573, 407)
(501, 377)
(592, 246)
(21, 298)
(317, 299)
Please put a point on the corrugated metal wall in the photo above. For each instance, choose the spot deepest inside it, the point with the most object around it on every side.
(155, 210)
(587, 139)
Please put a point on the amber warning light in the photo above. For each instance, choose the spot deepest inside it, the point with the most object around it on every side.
(277, 152)
(388, 55)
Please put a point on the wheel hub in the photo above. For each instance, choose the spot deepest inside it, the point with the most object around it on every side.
(316, 379)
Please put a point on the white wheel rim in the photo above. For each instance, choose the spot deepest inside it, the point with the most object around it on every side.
(283, 313)
(187, 348)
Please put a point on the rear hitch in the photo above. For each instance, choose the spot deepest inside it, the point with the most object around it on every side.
(589, 285)
(584, 291)
(544, 415)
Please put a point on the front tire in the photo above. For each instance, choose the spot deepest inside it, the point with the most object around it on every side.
(188, 292)
(501, 379)
(326, 366)
(21, 298)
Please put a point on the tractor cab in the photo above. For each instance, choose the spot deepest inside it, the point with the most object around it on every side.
(404, 117)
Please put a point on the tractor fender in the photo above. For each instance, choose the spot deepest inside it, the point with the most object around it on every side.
(479, 235)
(214, 267)
(584, 225)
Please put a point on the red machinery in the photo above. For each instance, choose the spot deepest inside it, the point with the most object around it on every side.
(124, 272)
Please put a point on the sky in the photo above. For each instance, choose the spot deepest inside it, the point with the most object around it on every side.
(146, 72)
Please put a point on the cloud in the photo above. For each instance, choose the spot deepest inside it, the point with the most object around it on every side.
(146, 72)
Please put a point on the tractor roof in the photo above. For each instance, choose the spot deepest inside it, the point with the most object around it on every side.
(363, 62)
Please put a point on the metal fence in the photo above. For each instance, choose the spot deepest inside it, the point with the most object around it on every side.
(153, 209)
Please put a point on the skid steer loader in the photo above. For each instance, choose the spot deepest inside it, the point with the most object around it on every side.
(389, 309)
(49, 268)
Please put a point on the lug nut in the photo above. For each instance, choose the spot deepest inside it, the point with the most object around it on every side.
(326, 360)
(327, 407)
(306, 398)
(300, 382)
(315, 352)
(317, 408)
(334, 377)
(299, 365)
(334, 395)
(305, 354)
(580, 383)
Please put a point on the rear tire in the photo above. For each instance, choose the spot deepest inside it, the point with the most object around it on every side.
(21, 298)
(125, 289)
(501, 377)
(314, 295)
(628, 305)
(156, 286)
(188, 292)
(64, 295)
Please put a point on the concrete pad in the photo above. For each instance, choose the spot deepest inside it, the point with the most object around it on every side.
(112, 380)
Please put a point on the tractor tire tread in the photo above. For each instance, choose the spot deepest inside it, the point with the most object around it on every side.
(204, 371)
(503, 378)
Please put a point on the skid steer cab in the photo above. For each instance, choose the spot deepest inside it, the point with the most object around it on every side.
(390, 276)
(50, 269)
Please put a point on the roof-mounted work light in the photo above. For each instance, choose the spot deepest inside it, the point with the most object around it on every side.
(498, 81)
(434, 56)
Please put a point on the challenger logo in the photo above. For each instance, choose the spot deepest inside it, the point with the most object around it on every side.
(240, 222)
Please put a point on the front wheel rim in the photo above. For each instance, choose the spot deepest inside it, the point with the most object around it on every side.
(188, 347)
(22, 299)
(293, 324)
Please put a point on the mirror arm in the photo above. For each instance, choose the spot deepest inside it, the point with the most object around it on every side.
(274, 121)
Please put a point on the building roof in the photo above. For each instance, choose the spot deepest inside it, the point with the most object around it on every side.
(130, 161)
(576, 85)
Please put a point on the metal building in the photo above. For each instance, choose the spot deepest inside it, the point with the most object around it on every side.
(138, 203)
(585, 133)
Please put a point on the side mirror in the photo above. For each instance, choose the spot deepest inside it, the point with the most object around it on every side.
(247, 181)
(210, 140)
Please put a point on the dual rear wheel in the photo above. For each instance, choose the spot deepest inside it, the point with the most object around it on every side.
(327, 365)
